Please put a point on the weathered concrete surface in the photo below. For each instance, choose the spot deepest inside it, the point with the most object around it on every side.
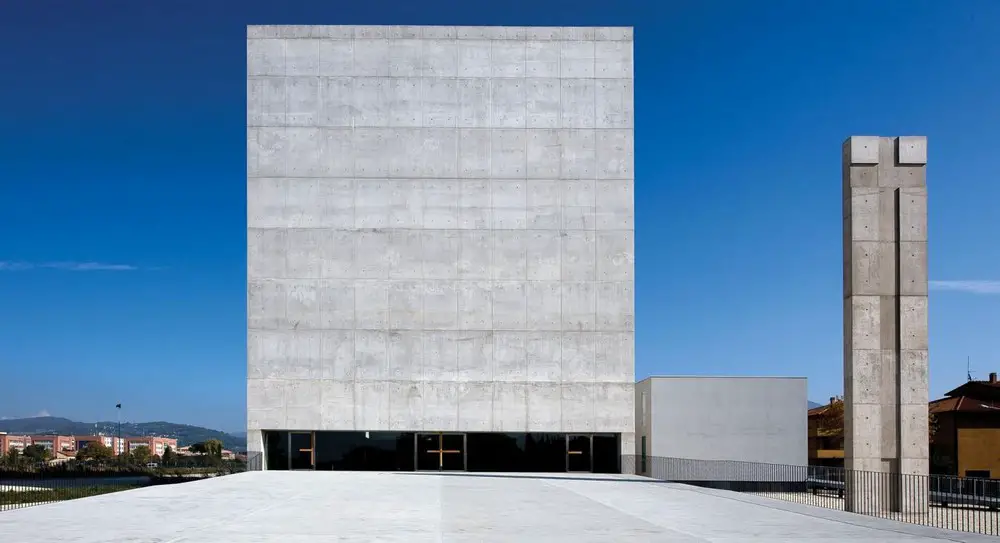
(294, 507)
(885, 317)
(440, 229)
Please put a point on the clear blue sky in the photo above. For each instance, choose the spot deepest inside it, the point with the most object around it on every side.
(122, 188)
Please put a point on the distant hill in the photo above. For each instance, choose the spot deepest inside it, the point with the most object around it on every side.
(813, 404)
(185, 434)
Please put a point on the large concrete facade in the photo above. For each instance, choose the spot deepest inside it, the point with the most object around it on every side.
(440, 229)
(885, 320)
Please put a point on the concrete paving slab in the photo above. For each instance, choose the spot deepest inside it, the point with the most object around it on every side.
(296, 507)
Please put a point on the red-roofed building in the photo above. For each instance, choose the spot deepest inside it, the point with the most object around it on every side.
(826, 434)
(967, 440)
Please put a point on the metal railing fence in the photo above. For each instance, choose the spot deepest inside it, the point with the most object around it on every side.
(24, 483)
(941, 501)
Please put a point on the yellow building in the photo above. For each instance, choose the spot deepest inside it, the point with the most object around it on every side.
(967, 440)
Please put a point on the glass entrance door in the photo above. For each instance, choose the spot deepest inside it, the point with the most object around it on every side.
(453, 452)
(302, 452)
(579, 453)
(441, 452)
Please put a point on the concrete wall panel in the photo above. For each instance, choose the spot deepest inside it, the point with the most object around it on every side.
(371, 355)
(475, 356)
(544, 207)
(337, 351)
(510, 255)
(543, 100)
(441, 404)
(579, 351)
(304, 404)
(576, 59)
(440, 356)
(544, 255)
(475, 406)
(371, 305)
(615, 306)
(509, 357)
(577, 403)
(578, 106)
(579, 204)
(615, 254)
(543, 352)
(475, 111)
(510, 406)
(475, 305)
(579, 306)
(405, 404)
(613, 358)
(509, 204)
(337, 409)
(615, 204)
(371, 404)
(617, 409)
(406, 355)
(509, 305)
(266, 57)
(544, 305)
(544, 407)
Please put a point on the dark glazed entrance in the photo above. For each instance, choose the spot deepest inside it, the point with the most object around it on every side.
(302, 450)
(538, 452)
(579, 453)
(440, 451)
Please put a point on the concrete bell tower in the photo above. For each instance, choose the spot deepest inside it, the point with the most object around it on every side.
(885, 323)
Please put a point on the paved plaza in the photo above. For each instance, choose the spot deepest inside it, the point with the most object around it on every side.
(293, 507)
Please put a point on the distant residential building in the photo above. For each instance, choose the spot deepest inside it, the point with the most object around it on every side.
(8, 442)
(116, 444)
(54, 444)
(156, 445)
(826, 434)
(967, 439)
(963, 431)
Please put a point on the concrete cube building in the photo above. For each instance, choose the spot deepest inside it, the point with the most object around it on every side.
(440, 247)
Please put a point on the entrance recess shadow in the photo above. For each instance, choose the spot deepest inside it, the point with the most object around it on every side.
(611, 478)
